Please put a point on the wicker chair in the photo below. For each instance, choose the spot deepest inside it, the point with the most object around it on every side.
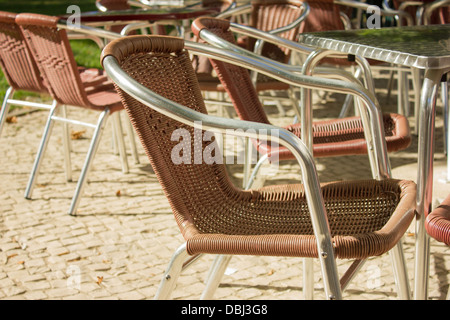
(18, 67)
(215, 216)
(343, 136)
(282, 17)
(54, 57)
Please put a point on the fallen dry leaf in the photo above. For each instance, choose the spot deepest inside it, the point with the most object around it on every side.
(75, 135)
(118, 193)
(12, 119)
(271, 272)
(99, 279)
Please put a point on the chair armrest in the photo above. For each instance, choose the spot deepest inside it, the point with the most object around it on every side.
(242, 128)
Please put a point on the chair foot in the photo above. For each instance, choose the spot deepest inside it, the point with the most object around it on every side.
(172, 273)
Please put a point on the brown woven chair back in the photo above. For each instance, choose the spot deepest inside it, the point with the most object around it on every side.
(216, 217)
(54, 57)
(267, 15)
(16, 60)
(162, 65)
(236, 80)
(323, 16)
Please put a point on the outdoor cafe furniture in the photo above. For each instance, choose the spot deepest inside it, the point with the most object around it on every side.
(22, 73)
(421, 47)
(335, 137)
(214, 216)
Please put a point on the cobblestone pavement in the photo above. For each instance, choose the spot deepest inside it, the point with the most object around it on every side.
(124, 234)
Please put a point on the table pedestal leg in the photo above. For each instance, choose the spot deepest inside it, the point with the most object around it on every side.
(425, 179)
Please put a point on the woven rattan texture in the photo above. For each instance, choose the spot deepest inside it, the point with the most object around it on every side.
(68, 84)
(216, 217)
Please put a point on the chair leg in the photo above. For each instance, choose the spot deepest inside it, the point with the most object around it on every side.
(133, 145)
(42, 147)
(308, 279)
(215, 275)
(120, 142)
(172, 273)
(66, 145)
(88, 162)
(5, 107)
(444, 98)
(417, 87)
(400, 272)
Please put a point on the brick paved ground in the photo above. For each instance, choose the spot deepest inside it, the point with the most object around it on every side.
(119, 244)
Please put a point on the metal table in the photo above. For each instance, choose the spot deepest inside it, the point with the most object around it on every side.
(136, 17)
(421, 47)
(153, 14)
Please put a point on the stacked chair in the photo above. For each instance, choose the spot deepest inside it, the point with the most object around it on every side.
(347, 219)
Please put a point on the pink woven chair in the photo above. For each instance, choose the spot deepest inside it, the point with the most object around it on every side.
(215, 216)
(89, 89)
(18, 67)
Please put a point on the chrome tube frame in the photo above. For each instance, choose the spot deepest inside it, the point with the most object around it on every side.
(431, 82)
(249, 129)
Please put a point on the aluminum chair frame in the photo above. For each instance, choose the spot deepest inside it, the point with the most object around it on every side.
(221, 125)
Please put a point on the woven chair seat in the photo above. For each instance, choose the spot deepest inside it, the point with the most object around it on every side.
(344, 136)
(437, 222)
(366, 218)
